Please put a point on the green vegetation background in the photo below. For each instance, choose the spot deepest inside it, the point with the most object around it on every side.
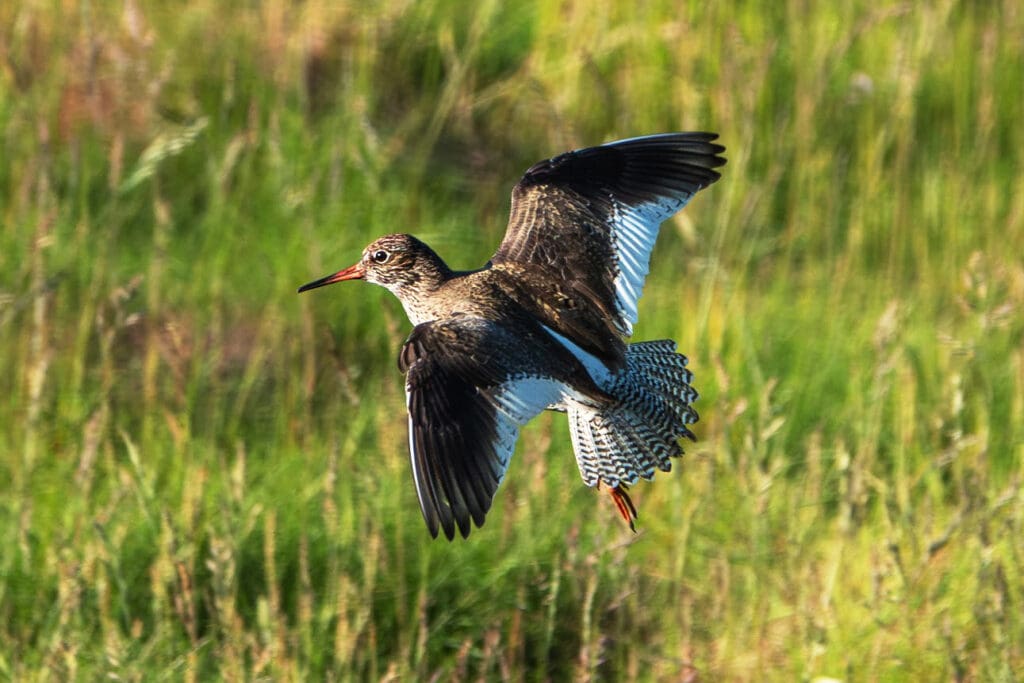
(203, 476)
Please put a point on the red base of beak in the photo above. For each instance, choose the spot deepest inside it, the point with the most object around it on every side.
(356, 272)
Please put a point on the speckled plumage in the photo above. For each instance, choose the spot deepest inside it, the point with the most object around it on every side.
(543, 325)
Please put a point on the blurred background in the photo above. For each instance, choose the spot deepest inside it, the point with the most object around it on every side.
(204, 476)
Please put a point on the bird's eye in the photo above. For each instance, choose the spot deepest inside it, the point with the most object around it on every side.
(381, 256)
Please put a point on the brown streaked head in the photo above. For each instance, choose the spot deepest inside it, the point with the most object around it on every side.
(394, 261)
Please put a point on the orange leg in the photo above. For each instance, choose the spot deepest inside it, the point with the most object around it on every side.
(624, 504)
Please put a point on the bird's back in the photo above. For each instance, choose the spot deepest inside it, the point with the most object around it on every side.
(531, 294)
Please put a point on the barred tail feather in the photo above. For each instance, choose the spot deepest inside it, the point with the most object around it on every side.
(640, 433)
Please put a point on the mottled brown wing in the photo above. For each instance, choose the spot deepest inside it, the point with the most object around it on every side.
(468, 390)
(592, 216)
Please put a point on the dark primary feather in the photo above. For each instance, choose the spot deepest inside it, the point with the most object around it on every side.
(564, 209)
(452, 429)
(460, 442)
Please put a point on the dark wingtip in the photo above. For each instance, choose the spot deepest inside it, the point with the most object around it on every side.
(449, 529)
(694, 156)
(463, 527)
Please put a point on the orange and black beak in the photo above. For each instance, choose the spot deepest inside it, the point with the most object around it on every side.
(356, 272)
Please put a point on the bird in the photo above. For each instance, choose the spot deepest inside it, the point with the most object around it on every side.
(545, 324)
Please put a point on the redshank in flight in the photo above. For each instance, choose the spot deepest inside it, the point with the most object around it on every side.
(543, 325)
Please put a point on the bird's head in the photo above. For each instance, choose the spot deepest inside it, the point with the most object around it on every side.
(398, 262)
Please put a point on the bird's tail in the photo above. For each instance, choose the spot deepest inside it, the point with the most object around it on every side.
(640, 433)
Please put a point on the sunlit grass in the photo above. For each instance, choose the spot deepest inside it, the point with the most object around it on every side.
(206, 474)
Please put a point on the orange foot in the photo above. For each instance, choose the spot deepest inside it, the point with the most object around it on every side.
(624, 504)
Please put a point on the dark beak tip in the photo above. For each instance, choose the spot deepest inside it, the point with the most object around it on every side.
(355, 272)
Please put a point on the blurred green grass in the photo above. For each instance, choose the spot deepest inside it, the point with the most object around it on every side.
(205, 475)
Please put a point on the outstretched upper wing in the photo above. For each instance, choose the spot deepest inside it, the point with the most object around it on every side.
(467, 395)
(592, 216)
